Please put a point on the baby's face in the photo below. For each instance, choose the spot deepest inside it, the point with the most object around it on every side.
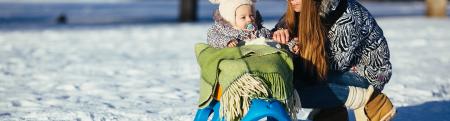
(244, 15)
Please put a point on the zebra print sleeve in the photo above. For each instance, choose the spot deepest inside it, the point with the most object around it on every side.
(374, 63)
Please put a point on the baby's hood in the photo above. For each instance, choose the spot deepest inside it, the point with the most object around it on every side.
(220, 20)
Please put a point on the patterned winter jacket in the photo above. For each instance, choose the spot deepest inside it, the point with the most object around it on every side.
(356, 44)
(223, 32)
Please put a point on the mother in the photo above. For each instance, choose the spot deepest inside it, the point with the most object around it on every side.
(339, 47)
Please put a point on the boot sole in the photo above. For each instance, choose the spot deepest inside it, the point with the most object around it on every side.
(389, 115)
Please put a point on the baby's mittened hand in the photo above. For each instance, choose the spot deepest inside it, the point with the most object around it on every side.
(296, 49)
(293, 46)
(232, 43)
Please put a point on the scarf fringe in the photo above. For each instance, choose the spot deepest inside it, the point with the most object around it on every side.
(235, 100)
(283, 92)
(293, 105)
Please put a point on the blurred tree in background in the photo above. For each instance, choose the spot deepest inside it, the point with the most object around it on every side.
(436, 8)
(188, 10)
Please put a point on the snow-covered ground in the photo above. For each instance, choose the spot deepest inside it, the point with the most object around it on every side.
(149, 71)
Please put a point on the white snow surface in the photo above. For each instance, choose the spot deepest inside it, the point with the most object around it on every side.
(149, 71)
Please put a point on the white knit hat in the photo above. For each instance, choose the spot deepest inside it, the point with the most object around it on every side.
(227, 8)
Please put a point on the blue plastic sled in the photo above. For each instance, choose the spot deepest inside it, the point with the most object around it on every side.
(272, 109)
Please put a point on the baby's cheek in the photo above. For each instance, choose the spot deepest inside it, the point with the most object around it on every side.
(241, 26)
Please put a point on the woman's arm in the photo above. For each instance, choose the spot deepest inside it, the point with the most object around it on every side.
(372, 58)
(281, 35)
(374, 64)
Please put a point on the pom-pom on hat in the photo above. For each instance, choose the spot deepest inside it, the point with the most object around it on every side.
(227, 8)
(215, 1)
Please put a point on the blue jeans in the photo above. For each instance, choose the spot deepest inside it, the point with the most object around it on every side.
(332, 94)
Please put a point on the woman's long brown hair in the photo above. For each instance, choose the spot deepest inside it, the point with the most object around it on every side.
(312, 38)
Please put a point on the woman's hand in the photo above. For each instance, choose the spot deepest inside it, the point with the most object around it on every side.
(232, 43)
(281, 36)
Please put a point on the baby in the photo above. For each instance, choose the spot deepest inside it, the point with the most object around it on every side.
(236, 22)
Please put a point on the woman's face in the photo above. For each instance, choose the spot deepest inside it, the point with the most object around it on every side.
(296, 5)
